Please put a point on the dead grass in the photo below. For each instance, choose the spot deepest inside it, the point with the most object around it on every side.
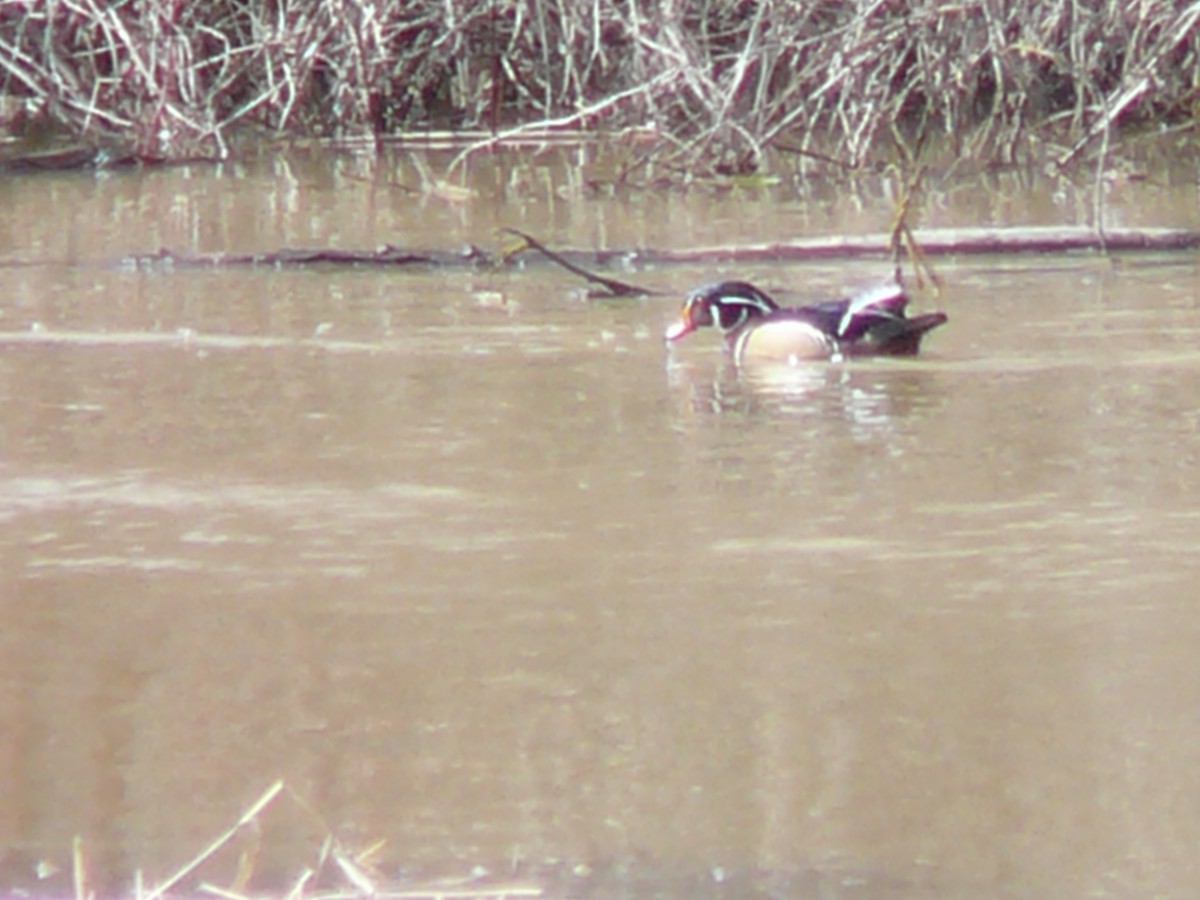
(336, 873)
(718, 83)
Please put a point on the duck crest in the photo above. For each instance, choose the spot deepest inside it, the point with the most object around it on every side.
(732, 304)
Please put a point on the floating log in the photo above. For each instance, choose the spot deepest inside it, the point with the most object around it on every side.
(388, 255)
(931, 242)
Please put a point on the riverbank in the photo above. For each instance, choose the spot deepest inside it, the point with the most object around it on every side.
(707, 88)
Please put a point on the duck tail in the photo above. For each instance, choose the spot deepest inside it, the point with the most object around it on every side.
(905, 339)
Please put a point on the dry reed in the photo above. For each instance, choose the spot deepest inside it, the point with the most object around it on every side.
(359, 881)
(718, 82)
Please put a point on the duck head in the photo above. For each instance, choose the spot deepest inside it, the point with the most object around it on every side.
(728, 306)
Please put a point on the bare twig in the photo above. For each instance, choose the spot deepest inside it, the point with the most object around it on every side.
(564, 122)
(247, 817)
(614, 286)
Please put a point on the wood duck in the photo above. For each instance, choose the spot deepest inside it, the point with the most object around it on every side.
(756, 329)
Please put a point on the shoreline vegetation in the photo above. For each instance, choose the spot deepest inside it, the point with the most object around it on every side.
(693, 88)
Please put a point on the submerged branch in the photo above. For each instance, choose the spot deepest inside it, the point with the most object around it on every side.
(387, 255)
(882, 245)
(614, 286)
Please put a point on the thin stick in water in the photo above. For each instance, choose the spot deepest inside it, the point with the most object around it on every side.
(247, 817)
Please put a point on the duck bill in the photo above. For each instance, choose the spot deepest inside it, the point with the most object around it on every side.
(681, 328)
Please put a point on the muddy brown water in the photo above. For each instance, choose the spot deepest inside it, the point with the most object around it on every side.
(485, 570)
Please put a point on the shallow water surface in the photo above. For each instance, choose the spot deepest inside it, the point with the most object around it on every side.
(487, 571)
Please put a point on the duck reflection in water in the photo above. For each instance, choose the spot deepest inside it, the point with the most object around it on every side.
(871, 396)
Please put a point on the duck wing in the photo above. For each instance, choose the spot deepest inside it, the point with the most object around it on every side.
(849, 318)
(872, 323)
